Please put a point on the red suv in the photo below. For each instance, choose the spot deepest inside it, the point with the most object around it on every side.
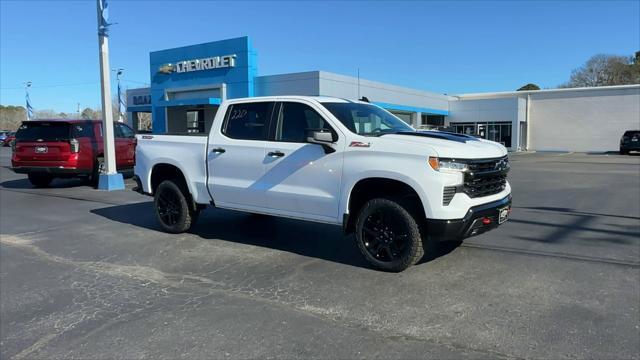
(46, 149)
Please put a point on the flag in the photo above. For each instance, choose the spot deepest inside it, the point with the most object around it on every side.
(29, 108)
(121, 105)
(103, 25)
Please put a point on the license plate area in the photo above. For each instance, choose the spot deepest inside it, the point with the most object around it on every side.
(41, 149)
(503, 215)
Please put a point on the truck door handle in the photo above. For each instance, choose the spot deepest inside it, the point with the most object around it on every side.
(218, 150)
(276, 153)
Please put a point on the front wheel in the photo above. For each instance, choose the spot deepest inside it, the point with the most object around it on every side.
(40, 180)
(172, 208)
(388, 235)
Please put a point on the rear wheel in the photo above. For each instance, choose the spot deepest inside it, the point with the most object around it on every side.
(40, 180)
(173, 209)
(388, 236)
(98, 168)
(624, 152)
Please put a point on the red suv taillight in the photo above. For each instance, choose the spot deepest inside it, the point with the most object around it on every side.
(75, 145)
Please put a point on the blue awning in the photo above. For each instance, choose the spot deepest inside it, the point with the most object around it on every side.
(183, 102)
(411, 108)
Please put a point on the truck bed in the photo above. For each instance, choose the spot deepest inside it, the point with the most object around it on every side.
(185, 152)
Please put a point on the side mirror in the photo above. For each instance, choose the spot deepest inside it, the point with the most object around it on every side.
(324, 138)
(321, 137)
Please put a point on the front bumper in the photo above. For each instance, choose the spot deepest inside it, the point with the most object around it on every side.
(630, 146)
(472, 224)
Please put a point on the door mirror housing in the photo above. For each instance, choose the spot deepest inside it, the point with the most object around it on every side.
(324, 138)
(321, 137)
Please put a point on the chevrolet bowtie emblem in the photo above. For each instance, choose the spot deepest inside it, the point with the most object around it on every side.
(166, 69)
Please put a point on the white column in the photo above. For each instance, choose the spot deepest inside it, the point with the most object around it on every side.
(107, 114)
(417, 120)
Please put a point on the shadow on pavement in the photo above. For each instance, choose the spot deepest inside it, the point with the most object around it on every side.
(574, 212)
(322, 241)
(55, 184)
(637, 153)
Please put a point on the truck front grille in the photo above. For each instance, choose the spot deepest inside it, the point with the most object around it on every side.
(486, 177)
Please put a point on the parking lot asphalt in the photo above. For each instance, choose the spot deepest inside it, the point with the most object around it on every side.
(88, 274)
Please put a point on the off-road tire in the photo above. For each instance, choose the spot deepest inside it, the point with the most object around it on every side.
(40, 180)
(173, 209)
(407, 232)
(95, 172)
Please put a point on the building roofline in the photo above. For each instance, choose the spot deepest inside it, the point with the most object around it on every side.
(527, 92)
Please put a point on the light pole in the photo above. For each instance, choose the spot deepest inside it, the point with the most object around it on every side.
(119, 72)
(110, 179)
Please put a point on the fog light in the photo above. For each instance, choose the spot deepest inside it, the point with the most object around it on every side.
(486, 221)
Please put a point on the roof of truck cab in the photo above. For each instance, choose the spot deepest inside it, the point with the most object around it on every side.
(321, 99)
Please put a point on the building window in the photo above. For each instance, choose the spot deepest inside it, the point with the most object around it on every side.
(499, 132)
(142, 121)
(434, 120)
(195, 121)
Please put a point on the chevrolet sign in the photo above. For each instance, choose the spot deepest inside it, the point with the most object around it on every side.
(215, 62)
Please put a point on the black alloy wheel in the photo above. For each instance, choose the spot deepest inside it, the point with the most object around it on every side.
(385, 235)
(388, 235)
(172, 208)
(169, 207)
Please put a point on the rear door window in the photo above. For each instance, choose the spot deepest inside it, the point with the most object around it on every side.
(83, 130)
(248, 121)
(44, 131)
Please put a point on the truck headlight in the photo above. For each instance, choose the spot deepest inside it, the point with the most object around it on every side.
(447, 165)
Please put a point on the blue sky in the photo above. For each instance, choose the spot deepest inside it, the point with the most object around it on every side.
(445, 47)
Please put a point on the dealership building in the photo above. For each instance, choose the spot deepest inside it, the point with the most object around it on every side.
(189, 83)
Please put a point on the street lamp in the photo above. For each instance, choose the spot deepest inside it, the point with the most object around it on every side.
(119, 72)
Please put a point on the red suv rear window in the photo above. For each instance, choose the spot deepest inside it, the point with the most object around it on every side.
(44, 131)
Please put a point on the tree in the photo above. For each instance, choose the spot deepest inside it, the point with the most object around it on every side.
(90, 114)
(11, 117)
(46, 114)
(606, 70)
(529, 86)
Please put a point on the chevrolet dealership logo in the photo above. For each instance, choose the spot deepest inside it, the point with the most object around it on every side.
(215, 62)
(166, 69)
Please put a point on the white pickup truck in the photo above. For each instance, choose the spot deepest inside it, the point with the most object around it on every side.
(331, 160)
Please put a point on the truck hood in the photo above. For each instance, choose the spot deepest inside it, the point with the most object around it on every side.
(449, 145)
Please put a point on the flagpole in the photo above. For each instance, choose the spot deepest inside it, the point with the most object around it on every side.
(29, 109)
(110, 179)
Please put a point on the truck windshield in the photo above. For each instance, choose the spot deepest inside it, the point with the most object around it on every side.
(45, 131)
(366, 120)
